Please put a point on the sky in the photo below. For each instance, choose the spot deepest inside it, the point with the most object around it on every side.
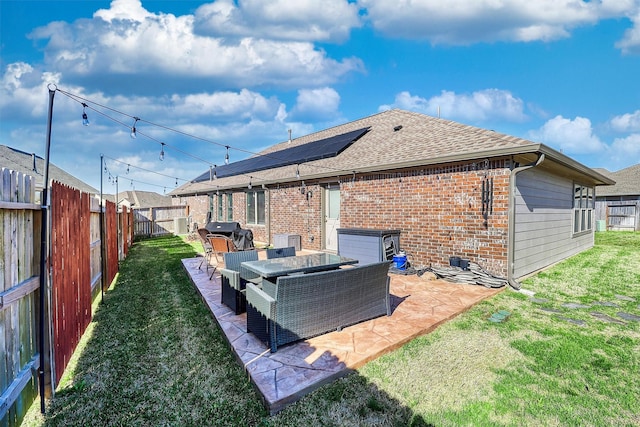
(200, 79)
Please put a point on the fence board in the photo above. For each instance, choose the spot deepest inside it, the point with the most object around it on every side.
(111, 242)
(18, 217)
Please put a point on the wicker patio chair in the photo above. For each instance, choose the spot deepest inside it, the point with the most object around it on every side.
(233, 286)
(281, 252)
(303, 306)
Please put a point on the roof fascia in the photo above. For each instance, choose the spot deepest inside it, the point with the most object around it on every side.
(549, 152)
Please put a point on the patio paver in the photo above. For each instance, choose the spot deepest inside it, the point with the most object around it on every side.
(418, 307)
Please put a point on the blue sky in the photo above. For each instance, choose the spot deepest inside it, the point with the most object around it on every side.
(202, 76)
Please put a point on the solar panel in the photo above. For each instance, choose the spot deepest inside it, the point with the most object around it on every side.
(316, 150)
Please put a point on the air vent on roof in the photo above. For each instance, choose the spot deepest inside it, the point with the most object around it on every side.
(397, 128)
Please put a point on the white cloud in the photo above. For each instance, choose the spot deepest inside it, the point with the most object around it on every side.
(317, 103)
(483, 105)
(129, 42)
(228, 105)
(630, 42)
(245, 120)
(124, 9)
(627, 148)
(300, 20)
(570, 136)
(472, 21)
(629, 122)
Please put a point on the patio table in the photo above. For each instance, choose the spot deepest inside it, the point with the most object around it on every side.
(270, 269)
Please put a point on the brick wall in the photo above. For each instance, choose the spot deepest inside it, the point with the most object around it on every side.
(295, 212)
(438, 210)
(198, 207)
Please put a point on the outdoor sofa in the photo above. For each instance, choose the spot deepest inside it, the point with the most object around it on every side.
(301, 306)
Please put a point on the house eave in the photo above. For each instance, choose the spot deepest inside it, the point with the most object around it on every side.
(555, 158)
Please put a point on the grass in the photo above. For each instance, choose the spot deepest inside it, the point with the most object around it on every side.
(154, 356)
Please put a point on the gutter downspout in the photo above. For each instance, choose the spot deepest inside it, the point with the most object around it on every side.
(512, 218)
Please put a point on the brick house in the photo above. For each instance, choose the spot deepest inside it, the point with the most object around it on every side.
(508, 204)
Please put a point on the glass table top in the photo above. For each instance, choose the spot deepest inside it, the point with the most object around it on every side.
(296, 264)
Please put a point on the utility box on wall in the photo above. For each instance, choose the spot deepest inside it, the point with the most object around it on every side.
(367, 245)
(180, 225)
(286, 240)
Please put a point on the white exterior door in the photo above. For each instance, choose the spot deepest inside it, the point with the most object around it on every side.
(331, 218)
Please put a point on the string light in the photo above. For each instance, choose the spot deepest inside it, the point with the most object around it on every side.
(298, 171)
(128, 168)
(133, 129)
(85, 118)
(134, 132)
(250, 186)
(161, 151)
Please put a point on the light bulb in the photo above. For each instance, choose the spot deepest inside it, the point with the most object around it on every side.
(162, 152)
(85, 118)
(134, 132)
(226, 157)
(297, 172)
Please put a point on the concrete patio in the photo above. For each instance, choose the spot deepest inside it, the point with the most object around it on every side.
(418, 306)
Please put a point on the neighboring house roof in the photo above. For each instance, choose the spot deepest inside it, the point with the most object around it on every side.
(30, 164)
(141, 199)
(398, 139)
(627, 182)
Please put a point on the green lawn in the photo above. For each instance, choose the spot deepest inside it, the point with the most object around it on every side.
(569, 355)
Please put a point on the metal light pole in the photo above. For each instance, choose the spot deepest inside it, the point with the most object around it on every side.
(44, 248)
(102, 242)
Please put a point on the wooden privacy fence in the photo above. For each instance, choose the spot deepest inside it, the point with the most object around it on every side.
(71, 275)
(76, 269)
(158, 221)
(20, 220)
(623, 215)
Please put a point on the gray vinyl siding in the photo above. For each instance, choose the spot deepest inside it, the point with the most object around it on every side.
(544, 222)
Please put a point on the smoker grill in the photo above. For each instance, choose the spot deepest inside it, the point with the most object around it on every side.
(242, 239)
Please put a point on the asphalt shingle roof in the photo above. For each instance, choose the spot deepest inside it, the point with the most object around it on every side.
(627, 182)
(142, 199)
(396, 138)
(21, 161)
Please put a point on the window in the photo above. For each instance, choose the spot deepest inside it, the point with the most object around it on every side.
(583, 205)
(220, 208)
(255, 207)
(211, 207)
(229, 207)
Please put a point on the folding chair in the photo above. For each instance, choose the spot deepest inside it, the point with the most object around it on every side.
(220, 245)
(206, 246)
